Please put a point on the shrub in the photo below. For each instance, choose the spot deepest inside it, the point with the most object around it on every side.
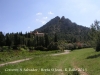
(31, 48)
(53, 46)
(79, 45)
(70, 46)
(75, 45)
(5, 48)
(14, 47)
(22, 49)
(86, 45)
(24, 46)
(61, 45)
(40, 48)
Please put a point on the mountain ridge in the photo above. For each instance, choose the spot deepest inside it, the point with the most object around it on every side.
(65, 28)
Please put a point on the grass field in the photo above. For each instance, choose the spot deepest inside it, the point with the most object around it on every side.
(44, 64)
(16, 55)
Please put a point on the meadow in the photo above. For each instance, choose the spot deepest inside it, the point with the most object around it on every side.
(43, 63)
(16, 55)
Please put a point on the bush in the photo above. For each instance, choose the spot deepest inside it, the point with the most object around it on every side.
(86, 45)
(40, 48)
(22, 49)
(5, 48)
(19, 47)
(53, 46)
(24, 46)
(79, 45)
(70, 46)
(31, 48)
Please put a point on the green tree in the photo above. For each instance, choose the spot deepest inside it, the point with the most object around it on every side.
(95, 35)
(46, 40)
(2, 39)
(9, 39)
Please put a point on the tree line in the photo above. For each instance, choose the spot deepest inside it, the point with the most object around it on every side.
(28, 40)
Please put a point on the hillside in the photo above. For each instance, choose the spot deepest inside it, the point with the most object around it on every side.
(66, 29)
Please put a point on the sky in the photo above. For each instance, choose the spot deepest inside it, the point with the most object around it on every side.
(28, 15)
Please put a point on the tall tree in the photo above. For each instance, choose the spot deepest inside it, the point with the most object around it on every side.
(95, 34)
(46, 40)
(9, 39)
(2, 39)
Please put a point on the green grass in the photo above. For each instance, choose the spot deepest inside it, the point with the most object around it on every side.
(16, 55)
(87, 59)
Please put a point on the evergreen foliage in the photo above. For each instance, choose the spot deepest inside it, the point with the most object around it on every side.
(95, 35)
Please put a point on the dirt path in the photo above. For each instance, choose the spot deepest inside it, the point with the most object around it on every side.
(65, 52)
(14, 62)
(21, 60)
(60, 65)
(62, 62)
(81, 72)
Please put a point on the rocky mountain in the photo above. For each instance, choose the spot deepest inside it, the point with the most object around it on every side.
(65, 29)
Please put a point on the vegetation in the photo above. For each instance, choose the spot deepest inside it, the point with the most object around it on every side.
(16, 55)
(95, 35)
(82, 58)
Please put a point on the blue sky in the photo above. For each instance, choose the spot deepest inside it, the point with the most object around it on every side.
(27, 15)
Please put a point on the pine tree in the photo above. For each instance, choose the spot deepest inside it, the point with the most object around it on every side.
(46, 40)
(95, 35)
(2, 39)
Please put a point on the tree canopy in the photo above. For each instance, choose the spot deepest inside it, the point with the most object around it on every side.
(95, 35)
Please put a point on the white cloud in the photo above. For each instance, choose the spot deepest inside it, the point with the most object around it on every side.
(45, 18)
(50, 13)
(39, 13)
